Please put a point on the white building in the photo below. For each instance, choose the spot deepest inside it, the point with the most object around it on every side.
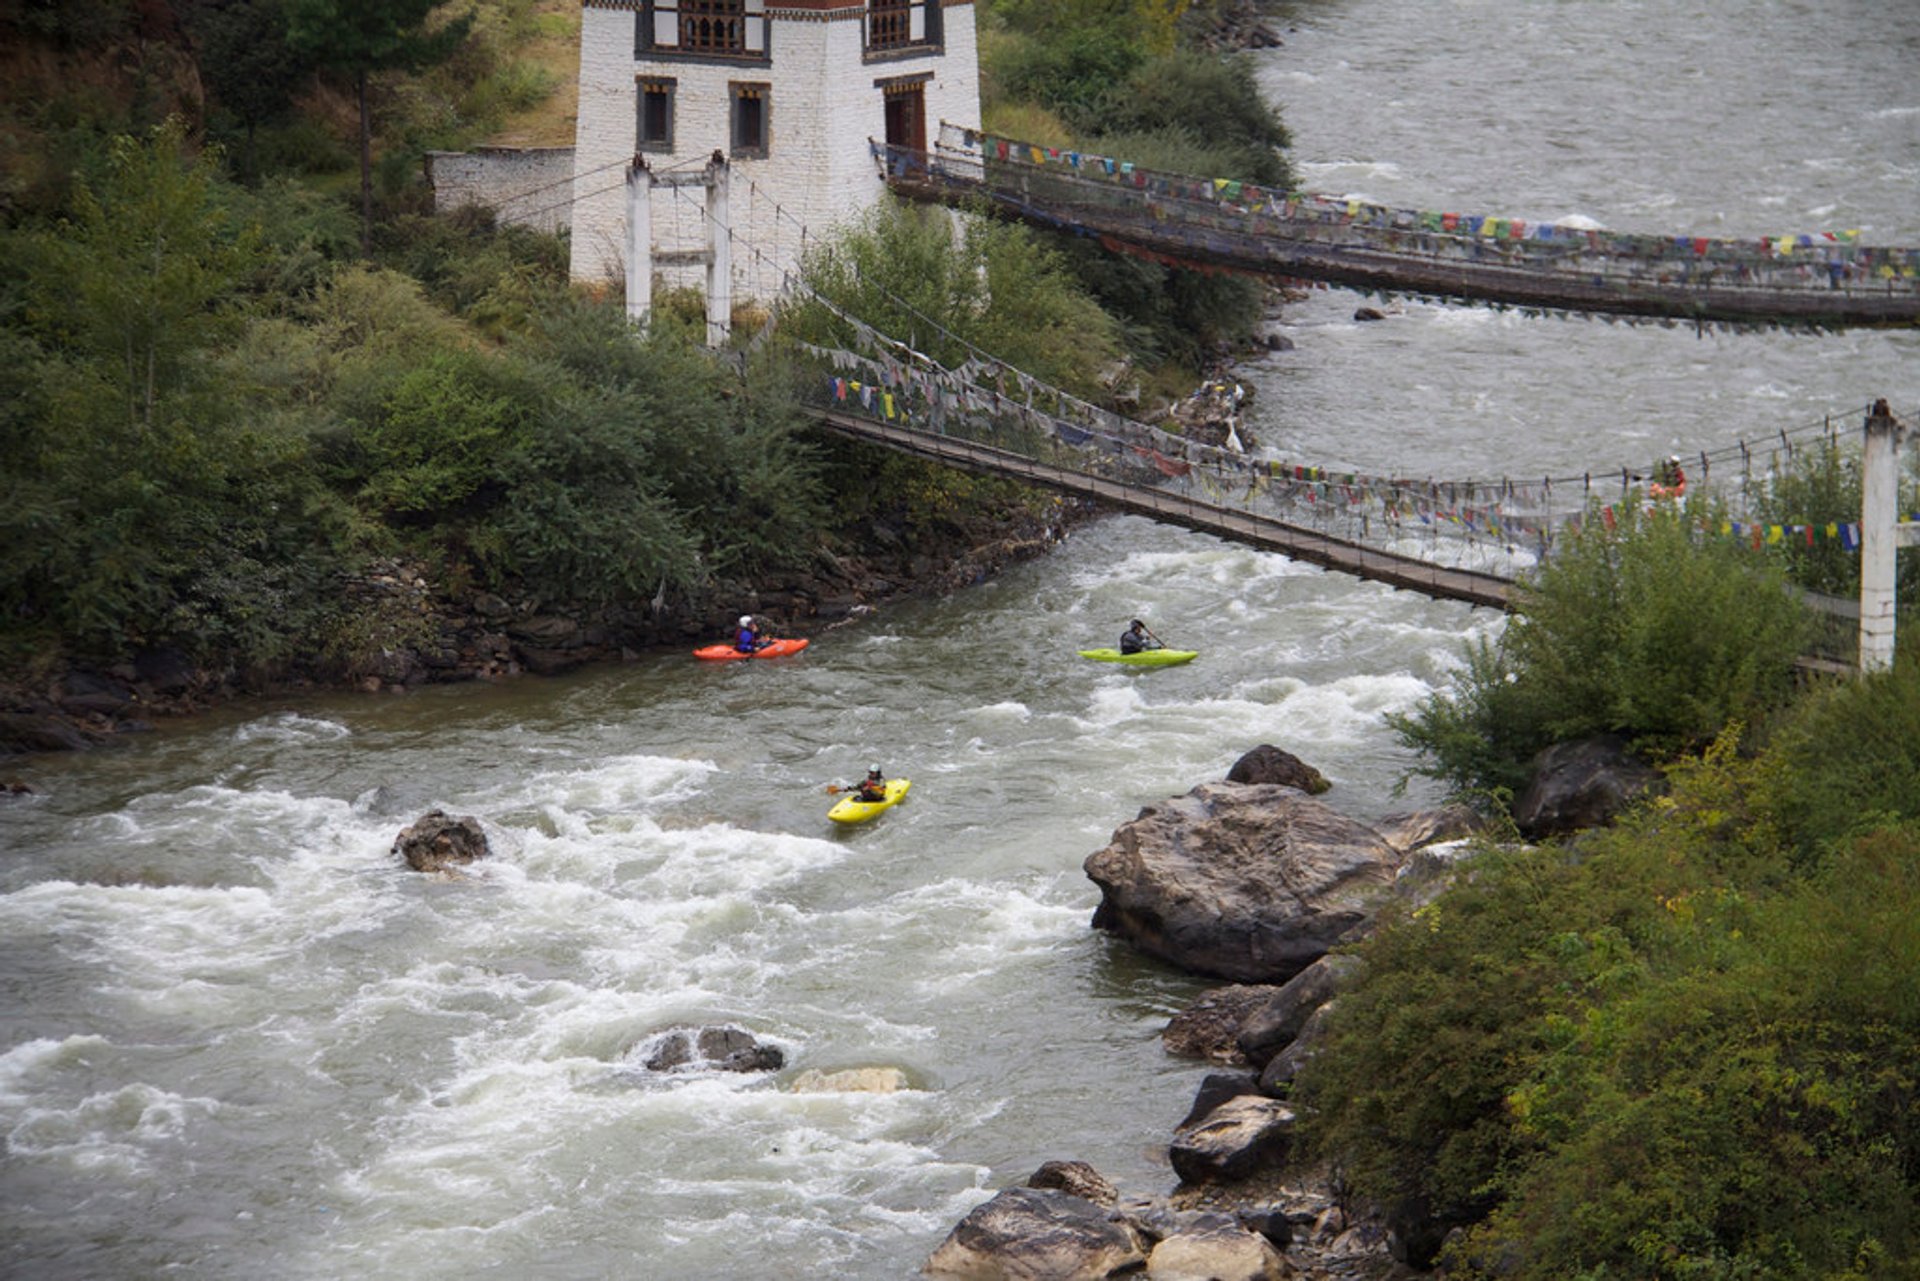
(789, 91)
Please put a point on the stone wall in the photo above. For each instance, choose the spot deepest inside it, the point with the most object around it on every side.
(530, 186)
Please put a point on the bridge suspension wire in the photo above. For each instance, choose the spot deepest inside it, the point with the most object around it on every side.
(1593, 485)
(1216, 224)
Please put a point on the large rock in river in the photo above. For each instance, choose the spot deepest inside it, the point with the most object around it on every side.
(1246, 882)
(1035, 1234)
(438, 842)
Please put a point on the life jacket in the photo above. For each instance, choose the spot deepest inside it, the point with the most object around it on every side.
(745, 641)
(872, 789)
(1131, 642)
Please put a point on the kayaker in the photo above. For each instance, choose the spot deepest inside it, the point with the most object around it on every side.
(748, 638)
(1137, 638)
(873, 787)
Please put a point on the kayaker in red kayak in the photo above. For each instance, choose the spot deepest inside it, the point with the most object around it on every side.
(748, 639)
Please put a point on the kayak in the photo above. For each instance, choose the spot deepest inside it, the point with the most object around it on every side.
(772, 649)
(849, 810)
(1145, 658)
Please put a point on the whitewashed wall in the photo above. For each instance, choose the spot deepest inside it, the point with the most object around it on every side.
(823, 109)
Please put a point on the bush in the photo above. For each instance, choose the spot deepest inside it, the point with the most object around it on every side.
(1638, 625)
(1848, 758)
(1663, 1055)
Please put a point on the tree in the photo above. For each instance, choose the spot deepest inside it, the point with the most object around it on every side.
(247, 60)
(360, 37)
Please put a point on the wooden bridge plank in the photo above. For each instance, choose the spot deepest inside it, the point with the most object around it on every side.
(1263, 532)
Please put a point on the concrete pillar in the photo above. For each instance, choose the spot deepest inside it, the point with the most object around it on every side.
(1880, 537)
(720, 255)
(639, 240)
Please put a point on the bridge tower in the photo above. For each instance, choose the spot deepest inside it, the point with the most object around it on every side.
(1882, 534)
(787, 92)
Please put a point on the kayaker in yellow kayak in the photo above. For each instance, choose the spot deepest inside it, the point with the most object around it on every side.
(1137, 639)
(871, 788)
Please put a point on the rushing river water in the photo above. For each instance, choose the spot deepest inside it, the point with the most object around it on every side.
(239, 1042)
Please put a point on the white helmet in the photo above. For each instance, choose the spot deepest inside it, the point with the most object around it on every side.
(746, 620)
(873, 769)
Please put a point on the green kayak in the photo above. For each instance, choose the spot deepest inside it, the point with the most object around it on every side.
(1145, 658)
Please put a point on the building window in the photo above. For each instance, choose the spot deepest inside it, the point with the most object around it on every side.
(901, 25)
(750, 131)
(656, 114)
(702, 28)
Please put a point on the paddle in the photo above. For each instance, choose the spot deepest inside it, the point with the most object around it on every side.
(1157, 642)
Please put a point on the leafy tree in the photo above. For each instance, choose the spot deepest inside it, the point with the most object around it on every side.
(360, 37)
(248, 61)
(145, 271)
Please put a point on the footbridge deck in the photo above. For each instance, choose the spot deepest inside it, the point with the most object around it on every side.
(1824, 281)
(1237, 525)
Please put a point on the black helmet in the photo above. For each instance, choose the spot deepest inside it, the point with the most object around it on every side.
(1138, 625)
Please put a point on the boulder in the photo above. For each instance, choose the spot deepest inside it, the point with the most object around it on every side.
(1216, 1248)
(548, 631)
(1210, 1027)
(165, 670)
(1410, 832)
(712, 1049)
(41, 732)
(1216, 1088)
(1240, 1138)
(548, 662)
(437, 841)
(1279, 1020)
(1251, 883)
(1076, 1178)
(1280, 1070)
(872, 1080)
(1038, 1234)
(1268, 764)
(1582, 784)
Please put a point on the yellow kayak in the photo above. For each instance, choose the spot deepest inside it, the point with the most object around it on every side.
(849, 810)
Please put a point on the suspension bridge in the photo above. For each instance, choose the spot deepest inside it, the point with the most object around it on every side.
(1826, 280)
(1467, 540)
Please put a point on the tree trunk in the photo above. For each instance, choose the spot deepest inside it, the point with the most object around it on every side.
(366, 169)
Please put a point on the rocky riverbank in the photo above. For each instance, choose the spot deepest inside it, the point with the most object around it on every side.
(409, 629)
(1255, 881)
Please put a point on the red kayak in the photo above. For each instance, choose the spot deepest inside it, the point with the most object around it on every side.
(772, 649)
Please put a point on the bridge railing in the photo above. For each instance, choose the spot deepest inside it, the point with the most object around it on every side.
(1806, 278)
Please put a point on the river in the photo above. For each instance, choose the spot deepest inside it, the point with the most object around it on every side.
(238, 1041)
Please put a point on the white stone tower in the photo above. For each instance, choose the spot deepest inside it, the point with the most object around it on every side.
(789, 91)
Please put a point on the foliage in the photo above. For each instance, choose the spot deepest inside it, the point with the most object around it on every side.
(1638, 626)
(993, 286)
(247, 62)
(144, 272)
(1848, 758)
(1663, 1055)
(1820, 485)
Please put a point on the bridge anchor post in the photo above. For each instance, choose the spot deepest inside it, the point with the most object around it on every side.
(1882, 534)
(639, 240)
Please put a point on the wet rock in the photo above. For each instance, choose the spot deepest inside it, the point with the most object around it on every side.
(713, 1049)
(549, 662)
(872, 1080)
(1246, 882)
(1409, 832)
(437, 842)
(1210, 1027)
(1035, 1234)
(1364, 314)
(1269, 764)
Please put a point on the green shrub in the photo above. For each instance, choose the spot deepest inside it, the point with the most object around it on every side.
(1637, 625)
(1848, 758)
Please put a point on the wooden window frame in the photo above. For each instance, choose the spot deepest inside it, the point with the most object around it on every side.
(739, 91)
(646, 86)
